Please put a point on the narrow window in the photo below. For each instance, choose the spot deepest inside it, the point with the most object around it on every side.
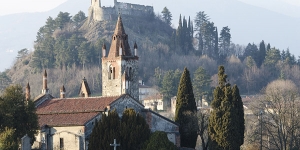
(110, 72)
(130, 75)
(61, 143)
(114, 73)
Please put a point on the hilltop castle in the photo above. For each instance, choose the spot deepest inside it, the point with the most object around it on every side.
(99, 13)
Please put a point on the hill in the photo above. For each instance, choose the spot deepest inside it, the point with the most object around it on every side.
(248, 23)
(150, 33)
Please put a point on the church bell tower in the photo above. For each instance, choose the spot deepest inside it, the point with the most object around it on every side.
(120, 66)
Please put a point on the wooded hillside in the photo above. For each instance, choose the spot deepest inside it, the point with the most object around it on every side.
(70, 49)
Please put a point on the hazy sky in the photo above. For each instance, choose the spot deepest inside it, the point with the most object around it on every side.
(17, 6)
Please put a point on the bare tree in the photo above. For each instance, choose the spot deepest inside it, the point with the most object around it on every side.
(280, 122)
(202, 116)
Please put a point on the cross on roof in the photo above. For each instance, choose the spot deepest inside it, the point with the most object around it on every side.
(115, 144)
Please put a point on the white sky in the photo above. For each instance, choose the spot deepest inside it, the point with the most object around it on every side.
(17, 6)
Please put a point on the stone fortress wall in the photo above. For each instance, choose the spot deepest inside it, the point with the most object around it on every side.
(99, 13)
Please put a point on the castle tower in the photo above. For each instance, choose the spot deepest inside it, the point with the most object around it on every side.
(27, 92)
(120, 67)
(96, 3)
(95, 11)
(62, 92)
(45, 89)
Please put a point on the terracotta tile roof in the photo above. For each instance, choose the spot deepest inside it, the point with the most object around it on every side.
(71, 119)
(41, 96)
(72, 111)
(73, 105)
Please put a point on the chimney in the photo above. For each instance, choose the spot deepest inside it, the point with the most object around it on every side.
(62, 92)
(120, 50)
(27, 92)
(104, 50)
(135, 49)
(45, 89)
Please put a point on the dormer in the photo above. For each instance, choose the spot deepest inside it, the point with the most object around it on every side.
(84, 89)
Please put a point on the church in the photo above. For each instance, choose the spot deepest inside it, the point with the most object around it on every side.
(66, 123)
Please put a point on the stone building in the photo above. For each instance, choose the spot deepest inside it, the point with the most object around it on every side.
(154, 102)
(66, 123)
(99, 13)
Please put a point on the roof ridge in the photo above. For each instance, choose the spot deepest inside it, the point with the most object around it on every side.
(69, 112)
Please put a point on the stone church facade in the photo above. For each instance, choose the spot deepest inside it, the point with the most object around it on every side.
(66, 123)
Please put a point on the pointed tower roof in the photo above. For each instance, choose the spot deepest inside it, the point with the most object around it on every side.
(28, 86)
(135, 45)
(119, 30)
(45, 73)
(119, 41)
(103, 46)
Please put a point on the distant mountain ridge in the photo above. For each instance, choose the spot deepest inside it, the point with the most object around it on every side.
(248, 24)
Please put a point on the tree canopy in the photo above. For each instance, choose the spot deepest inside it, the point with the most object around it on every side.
(131, 131)
(17, 114)
(159, 141)
(166, 16)
(226, 122)
(186, 109)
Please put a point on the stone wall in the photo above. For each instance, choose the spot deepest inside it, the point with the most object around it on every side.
(131, 66)
(112, 84)
(98, 13)
(157, 122)
(126, 102)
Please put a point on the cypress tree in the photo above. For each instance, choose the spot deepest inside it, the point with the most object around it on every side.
(185, 108)
(105, 131)
(240, 121)
(134, 130)
(226, 122)
(261, 54)
(131, 131)
(159, 140)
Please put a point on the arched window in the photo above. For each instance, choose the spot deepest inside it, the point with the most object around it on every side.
(111, 72)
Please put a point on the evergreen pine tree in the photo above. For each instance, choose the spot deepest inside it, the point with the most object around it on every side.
(159, 141)
(239, 111)
(201, 83)
(268, 47)
(226, 122)
(105, 131)
(166, 16)
(216, 44)
(168, 86)
(131, 131)
(134, 130)
(262, 54)
(7, 140)
(17, 114)
(185, 109)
